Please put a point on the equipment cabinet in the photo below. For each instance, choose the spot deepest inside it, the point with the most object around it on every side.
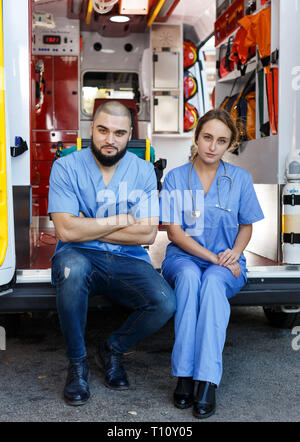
(167, 78)
(58, 112)
(265, 156)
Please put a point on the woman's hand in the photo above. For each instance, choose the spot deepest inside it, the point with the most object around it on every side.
(234, 268)
(228, 257)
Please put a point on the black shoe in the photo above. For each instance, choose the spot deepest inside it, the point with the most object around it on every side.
(204, 399)
(76, 391)
(183, 394)
(111, 362)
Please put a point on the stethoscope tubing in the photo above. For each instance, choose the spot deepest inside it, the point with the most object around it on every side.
(196, 213)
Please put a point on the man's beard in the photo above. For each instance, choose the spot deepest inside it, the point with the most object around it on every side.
(107, 160)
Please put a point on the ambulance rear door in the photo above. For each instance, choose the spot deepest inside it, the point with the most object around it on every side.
(7, 240)
(14, 126)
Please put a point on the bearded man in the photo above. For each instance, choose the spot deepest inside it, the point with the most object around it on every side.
(104, 205)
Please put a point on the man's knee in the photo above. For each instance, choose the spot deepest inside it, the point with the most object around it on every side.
(70, 266)
(165, 301)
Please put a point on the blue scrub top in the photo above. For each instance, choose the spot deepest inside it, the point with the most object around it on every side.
(76, 185)
(215, 229)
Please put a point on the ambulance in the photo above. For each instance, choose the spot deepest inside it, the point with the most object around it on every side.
(169, 61)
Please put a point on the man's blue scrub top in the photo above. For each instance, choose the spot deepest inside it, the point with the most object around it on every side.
(76, 185)
(215, 229)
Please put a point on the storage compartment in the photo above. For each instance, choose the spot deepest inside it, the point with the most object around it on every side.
(166, 113)
(56, 98)
(166, 70)
(167, 79)
(55, 92)
(228, 21)
(66, 93)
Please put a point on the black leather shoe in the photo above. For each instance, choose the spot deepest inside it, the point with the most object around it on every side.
(111, 363)
(76, 391)
(183, 394)
(204, 399)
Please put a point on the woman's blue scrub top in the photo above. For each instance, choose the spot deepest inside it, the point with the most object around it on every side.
(76, 185)
(215, 229)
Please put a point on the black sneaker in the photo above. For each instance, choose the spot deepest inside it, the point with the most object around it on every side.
(111, 363)
(76, 391)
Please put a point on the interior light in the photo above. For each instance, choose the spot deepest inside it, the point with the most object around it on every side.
(119, 18)
(108, 51)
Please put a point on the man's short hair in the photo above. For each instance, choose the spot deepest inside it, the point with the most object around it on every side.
(113, 107)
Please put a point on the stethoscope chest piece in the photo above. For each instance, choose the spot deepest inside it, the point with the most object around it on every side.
(196, 214)
(223, 208)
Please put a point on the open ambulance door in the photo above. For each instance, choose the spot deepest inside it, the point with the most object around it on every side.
(14, 126)
(7, 240)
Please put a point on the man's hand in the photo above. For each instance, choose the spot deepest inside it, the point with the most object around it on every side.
(124, 219)
(140, 232)
(80, 228)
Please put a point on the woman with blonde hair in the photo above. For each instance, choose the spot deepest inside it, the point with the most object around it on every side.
(208, 206)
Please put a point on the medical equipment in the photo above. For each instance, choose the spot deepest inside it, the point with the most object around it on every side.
(196, 213)
(291, 209)
(190, 117)
(103, 6)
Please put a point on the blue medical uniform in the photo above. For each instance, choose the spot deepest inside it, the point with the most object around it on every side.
(202, 289)
(122, 272)
(76, 185)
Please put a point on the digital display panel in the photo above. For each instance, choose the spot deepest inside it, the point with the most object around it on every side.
(51, 39)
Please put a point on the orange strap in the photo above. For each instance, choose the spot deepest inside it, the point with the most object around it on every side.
(272, 95)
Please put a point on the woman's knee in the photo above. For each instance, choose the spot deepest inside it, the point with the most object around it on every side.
(219, 282)
(187, 284)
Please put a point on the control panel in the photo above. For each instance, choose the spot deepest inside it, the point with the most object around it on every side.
(63, 39)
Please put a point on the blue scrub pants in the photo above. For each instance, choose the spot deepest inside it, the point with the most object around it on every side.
(78, 273)
(202, 315)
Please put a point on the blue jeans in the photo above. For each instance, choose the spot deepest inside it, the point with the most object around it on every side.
(78, 273)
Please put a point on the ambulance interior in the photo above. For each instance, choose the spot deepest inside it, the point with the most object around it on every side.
(80, 56)
(84, 52)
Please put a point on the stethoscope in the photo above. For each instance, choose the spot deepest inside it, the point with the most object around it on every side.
(196, 213)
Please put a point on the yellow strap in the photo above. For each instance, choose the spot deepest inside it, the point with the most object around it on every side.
(155, 12)
(78, 143)
(3, 179)
(147, 150)
(89, 13)
(290, 223)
